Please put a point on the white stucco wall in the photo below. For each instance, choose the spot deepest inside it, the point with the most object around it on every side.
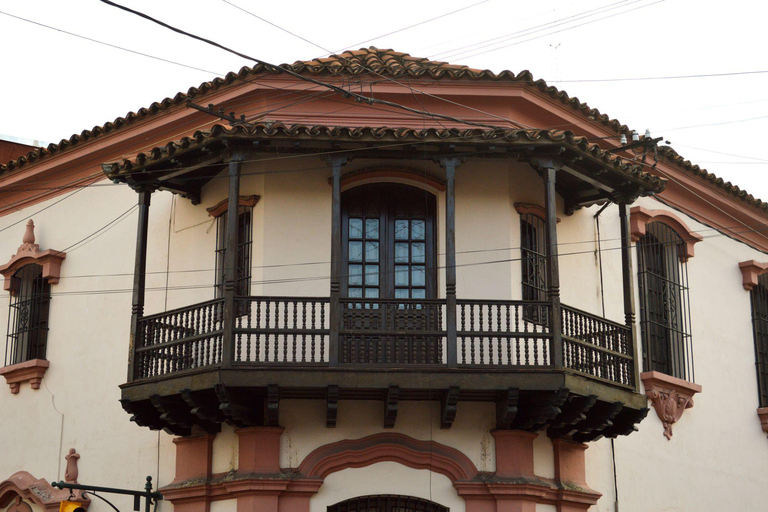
(714, 461)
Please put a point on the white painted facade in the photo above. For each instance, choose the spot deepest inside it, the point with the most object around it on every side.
(715, 460)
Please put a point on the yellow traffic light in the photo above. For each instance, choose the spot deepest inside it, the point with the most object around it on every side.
(71, 506)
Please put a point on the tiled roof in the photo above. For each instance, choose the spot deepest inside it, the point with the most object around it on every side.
(382, 134)
(385, 62)
(726, 186)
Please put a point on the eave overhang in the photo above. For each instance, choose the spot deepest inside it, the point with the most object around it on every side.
(588, 174)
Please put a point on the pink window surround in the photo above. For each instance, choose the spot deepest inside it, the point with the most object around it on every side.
(260, 484)
(29, 252)
(640, 217)
(750, 272)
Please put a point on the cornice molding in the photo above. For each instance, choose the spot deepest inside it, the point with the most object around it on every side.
(222, 206)
(750, 272)
(532, 209)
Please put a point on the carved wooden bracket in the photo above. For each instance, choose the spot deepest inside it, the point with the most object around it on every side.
(31, 371)
(640, 217)
(670, 397)
(29, 252)
(762, 413)
(750, 272)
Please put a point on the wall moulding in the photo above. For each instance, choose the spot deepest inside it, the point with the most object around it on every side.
(640, 217)
(397, 174)
(750, 272)
(29, 252)
(669, 396)
(533, 209)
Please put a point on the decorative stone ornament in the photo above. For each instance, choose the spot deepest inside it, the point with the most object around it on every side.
(29, 252)
(640, 217)
(31, 371)
(669, 396)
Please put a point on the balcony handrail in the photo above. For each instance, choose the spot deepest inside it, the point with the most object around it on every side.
(594, 316)
(192, 307)
(293, 331)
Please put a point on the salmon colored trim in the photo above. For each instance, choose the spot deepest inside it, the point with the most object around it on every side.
(38, 491)
(750, 273)
(194, 457)
(532, 209)
(762, 413)
(351, 178)
(29, 252)
(31, 371)
(388, 447)
(670, 397)
(222, 206)
(640, 217)
(514, 453)
(259, 449)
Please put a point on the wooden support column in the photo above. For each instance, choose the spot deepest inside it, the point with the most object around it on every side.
(230, 259)
(336, 263)
(450, 164)
(139, 276)
(628, 285)
(549, 171)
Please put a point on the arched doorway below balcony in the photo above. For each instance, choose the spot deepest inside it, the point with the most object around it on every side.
(387, 503)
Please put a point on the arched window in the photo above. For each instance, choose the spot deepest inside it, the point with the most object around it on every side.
(388, 233)
(664, 302)
(28, 315)
(387, 503)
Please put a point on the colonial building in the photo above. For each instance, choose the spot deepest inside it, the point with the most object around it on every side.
(379, 282)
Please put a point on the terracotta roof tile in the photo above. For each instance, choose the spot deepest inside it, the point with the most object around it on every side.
(384, 134)
(385, 62)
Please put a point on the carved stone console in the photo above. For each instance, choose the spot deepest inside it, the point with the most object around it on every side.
(670, 397)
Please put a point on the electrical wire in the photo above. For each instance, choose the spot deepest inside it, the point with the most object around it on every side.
(168, 61)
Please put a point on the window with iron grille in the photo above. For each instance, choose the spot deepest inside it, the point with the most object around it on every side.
(533, 261)
(664, 303)
(387, 503)
(28, 315)
(760, 326)
(245, 241)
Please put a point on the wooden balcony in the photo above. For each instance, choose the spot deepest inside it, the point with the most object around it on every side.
(184, 374)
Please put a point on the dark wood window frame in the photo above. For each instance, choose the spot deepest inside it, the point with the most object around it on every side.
(378, 236)
(28, 315)
(245, 244)
(664, 301)
(759, 299)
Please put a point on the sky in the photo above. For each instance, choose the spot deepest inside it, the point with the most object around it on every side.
(627, 58)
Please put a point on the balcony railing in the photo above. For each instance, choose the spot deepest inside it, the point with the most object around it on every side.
(297, 331)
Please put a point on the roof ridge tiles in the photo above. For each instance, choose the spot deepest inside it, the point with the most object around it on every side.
(355, 62)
